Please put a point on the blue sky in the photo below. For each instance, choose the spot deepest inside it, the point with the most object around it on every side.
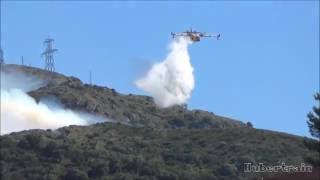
(265, 69)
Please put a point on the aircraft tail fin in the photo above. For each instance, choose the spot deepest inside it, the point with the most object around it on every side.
(173, 34)
(218, 36)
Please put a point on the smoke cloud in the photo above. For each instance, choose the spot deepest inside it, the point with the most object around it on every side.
(19, 111)
(171, 81)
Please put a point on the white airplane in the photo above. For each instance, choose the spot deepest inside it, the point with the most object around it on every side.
(194, 35)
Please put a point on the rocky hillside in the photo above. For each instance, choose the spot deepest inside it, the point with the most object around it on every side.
(146, 143)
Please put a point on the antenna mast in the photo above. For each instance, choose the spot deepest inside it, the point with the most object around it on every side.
(48, 53)
(90, 78)
(1, 56)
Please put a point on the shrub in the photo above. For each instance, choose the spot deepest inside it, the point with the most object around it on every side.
(32, 141)
(75, 174)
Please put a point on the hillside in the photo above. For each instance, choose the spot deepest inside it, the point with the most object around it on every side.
(129, 109)
(142, 142)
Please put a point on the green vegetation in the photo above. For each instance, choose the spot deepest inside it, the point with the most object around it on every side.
(314, 118)
(142, 142)
(115, 151)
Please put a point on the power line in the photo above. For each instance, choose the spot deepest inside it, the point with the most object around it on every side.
(1, 51)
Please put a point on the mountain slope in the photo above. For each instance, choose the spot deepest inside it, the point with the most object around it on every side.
(130, 109)
(146, 143)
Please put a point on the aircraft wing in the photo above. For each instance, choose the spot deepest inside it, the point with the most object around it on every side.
(180, 34)
(211, 35)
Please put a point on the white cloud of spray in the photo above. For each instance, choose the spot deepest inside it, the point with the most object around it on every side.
(171, 81)
(19, 111)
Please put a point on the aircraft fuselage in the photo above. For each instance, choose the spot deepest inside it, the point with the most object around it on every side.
(193, 37)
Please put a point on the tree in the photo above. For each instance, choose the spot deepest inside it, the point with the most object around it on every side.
(314, 118)
(249, 124)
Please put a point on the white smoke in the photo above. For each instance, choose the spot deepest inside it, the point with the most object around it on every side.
(19, 80)
(171, 81)
(19, 111)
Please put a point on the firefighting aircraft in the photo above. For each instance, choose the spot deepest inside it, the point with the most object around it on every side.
(194, 35)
